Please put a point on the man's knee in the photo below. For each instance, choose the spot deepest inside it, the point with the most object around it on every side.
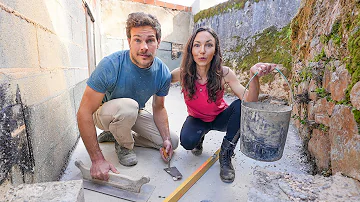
(174, 140)
(124, 107)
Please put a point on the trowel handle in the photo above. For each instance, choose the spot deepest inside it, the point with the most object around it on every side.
(277, 69)
(115, 180)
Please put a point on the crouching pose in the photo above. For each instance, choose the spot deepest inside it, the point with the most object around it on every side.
(203, 80)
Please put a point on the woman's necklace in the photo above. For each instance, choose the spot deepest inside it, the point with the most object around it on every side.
(201, 82)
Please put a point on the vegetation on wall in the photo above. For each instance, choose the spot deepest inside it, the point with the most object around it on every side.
(270, 46)
(221, 8)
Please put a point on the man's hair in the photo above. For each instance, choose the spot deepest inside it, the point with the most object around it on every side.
(140, 19)
(188, 69)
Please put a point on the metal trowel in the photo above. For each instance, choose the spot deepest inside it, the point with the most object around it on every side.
(173, 171)
(119, 186)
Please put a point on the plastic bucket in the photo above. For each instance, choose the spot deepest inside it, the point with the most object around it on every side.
(264, 128)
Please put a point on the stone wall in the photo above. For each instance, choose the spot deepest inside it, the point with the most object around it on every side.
(326, 75)
(43, 69)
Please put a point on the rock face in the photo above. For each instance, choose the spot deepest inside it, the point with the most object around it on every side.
(355, 96)
(326, 51)
(276, 186)
(345, 142)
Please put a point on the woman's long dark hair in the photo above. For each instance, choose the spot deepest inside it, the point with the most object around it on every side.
(188, 73)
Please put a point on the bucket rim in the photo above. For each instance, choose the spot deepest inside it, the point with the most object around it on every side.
(260, 110)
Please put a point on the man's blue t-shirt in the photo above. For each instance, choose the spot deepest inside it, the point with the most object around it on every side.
(118, 77)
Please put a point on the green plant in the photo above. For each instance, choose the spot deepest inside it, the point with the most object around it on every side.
(321, 92)
(323, 128)
(357, 118)
(305, 74)
(320, 56)
(326, 173)
(297, 117)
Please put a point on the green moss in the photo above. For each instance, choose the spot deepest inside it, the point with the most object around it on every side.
(354, 61)
(224, 7)
(323, 128)
(335, 34)
(321, 92)
(270, 46)
(305, 74)
(321, 56)
(324, 39)
(357, 118)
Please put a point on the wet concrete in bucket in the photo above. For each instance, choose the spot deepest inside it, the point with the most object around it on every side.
(209, 187)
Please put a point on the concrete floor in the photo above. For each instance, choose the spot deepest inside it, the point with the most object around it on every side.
(209, 187)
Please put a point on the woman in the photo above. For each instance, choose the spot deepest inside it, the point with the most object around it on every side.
(203, 80)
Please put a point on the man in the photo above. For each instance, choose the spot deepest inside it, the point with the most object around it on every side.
(123, 82)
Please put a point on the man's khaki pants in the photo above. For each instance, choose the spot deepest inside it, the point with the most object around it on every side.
(121, 116)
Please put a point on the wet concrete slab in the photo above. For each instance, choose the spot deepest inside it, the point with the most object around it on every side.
(209, 187)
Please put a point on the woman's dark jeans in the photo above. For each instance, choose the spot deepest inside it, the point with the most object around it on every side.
(193, 128)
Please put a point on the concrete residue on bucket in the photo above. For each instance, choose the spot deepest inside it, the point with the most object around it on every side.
(263, 129)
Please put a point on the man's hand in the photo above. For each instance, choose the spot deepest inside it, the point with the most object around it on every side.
(100, 170)
(168, 149)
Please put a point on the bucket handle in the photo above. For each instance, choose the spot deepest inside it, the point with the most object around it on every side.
(292, 94)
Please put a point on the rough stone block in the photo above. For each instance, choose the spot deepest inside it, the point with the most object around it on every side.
(18, 46)
(310, 110)
(303, 87)
(345, 142)
(355, 95)
(327, 77)
(311, 90)
(324, 107)
(319, 147)
(322, 119)
(340, 79)
(49, 191)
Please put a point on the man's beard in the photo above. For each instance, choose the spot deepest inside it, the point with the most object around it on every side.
(139, 64)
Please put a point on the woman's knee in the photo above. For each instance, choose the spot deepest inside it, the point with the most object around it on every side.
(188, 143)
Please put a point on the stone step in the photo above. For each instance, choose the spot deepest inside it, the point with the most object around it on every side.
(48, 191)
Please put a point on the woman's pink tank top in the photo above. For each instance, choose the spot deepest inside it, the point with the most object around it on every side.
(199, 107)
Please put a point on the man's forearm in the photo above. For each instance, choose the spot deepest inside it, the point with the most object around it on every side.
(88, 135)
(162, 123)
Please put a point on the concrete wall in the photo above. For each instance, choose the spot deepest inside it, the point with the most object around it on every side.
(175, 25)
(43, 69)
